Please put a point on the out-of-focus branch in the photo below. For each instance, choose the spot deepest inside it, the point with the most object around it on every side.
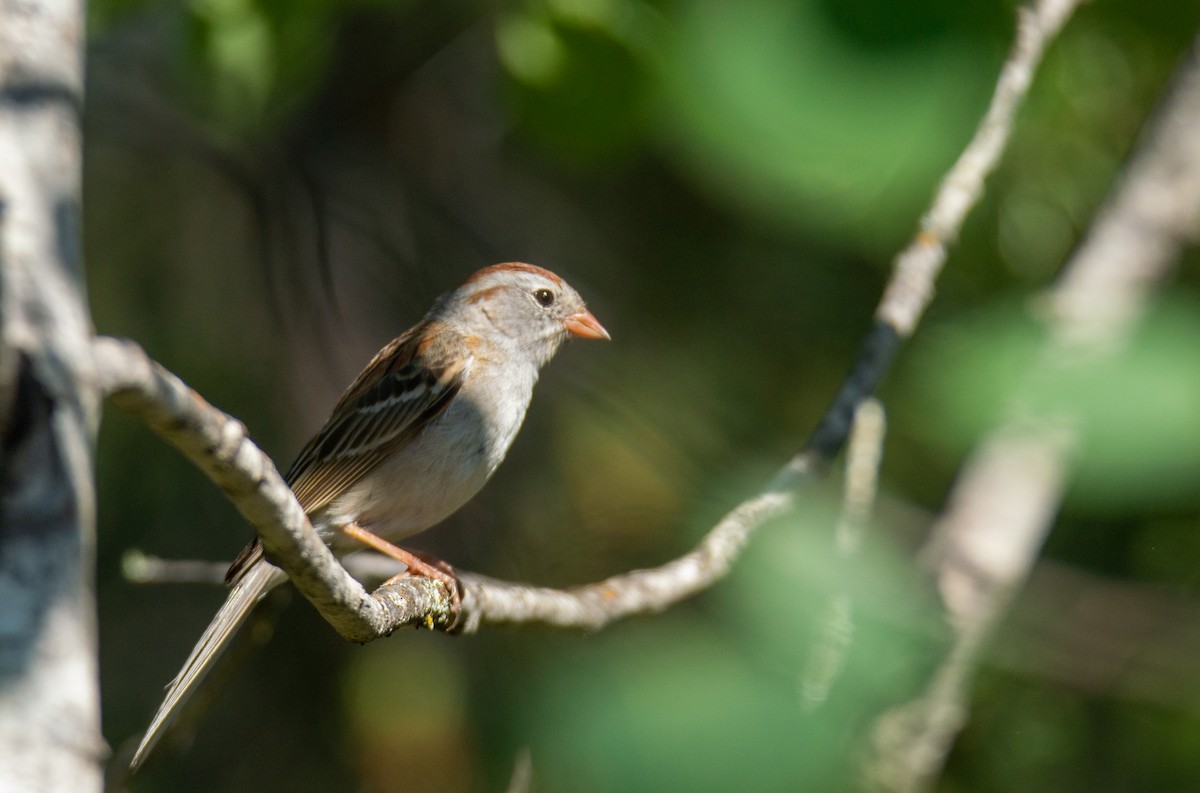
(1122, 639)
(863, 457)
(999, 512)
(918, 265)
(142, 568)
(916, 268)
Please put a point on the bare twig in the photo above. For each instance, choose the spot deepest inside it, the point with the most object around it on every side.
(522, 775)
(1003, 505)
(641, 591)
(862, 476)
(1122, 639)
(918, 265)
(140, 568)
(862, 480)
(916, 268)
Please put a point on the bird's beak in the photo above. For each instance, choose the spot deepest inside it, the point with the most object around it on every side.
(585, 326)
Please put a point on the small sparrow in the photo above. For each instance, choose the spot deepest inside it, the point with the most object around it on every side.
(413, 438)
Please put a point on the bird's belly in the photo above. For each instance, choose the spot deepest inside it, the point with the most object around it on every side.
(422, 484)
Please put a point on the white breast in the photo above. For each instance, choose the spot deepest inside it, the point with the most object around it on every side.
(443, 468)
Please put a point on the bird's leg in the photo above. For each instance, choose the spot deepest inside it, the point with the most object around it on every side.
(427, 567)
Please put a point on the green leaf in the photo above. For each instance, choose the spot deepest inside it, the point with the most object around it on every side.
(784, 109)
(1137, 408)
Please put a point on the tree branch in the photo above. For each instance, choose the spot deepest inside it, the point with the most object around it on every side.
(142, 568)
(918, 265)
(219, 445)
(863, 458)
(916, 268)
(1000, 511)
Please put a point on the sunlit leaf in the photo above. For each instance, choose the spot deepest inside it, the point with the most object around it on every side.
(783, 111)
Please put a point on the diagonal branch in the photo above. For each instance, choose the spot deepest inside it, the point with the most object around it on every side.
(916, 268)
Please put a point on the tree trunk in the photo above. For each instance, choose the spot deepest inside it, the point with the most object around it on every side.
(49, 698)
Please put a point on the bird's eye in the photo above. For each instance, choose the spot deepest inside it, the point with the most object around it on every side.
(544, 297)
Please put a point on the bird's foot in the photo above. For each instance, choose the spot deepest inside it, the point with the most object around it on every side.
(419, 564)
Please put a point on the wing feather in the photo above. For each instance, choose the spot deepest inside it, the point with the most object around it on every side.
(405, 386)
(389, 402)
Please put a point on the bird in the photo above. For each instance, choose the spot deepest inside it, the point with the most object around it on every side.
(413, 438)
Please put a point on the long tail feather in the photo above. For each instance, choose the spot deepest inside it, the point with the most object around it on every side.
(261, 578)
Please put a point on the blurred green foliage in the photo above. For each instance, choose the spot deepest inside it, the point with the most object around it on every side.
(274, 189)
(1137, 408)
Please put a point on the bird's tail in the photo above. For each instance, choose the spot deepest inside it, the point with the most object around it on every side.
(256, 582)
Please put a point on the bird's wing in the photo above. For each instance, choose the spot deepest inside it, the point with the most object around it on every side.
(405, 386)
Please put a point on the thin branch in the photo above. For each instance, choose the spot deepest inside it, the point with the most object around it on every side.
(863, 458)
(916, 268)
(1000, 511)
(918, 265)
(219, 446)
(1126, 640)
(138, 567)
(141, 568)
(641, 591)
(522, 775)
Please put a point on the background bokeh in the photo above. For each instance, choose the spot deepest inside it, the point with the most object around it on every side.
(273, 189)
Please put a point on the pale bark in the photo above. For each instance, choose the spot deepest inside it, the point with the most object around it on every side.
(49, 698)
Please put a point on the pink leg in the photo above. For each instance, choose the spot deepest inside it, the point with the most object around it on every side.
(435, 569)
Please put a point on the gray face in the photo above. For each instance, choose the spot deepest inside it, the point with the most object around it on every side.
(533, 309)
(525, 304)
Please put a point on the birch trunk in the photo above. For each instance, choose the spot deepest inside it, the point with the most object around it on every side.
(49, 698)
